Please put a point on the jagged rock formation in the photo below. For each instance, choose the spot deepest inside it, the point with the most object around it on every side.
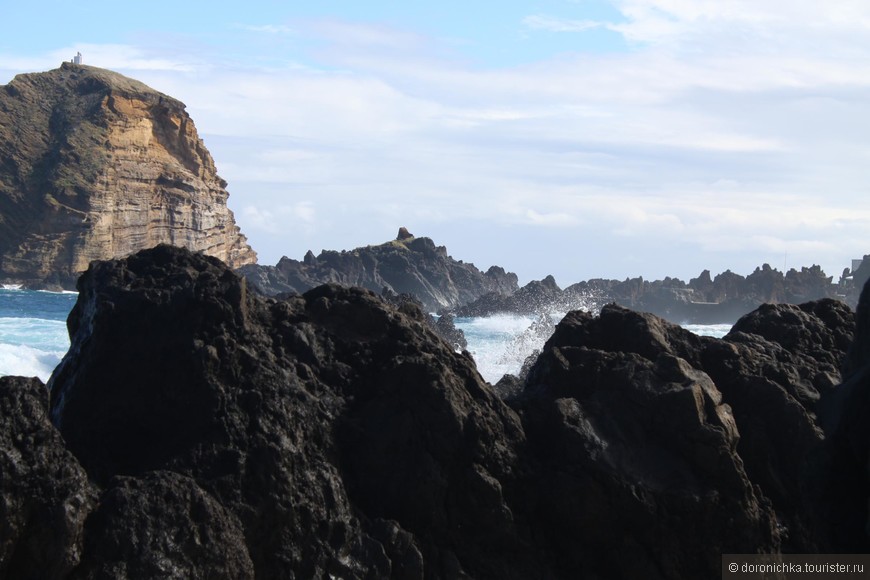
(772, 379)
(94, 165)
(704, 300)
(201, 431)
(536, 297)
(444, 326)
(406, 265)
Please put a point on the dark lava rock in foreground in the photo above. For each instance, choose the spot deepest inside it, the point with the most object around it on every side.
(203, 431)
(45, 494)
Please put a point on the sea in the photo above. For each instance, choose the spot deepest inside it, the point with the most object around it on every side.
(34, 338)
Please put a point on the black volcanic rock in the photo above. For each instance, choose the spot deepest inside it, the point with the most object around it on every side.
(444, 325)
(771, 388)
(406, 265)
(314, 421)
(162, 525)
(639, 464)
(45, 494)
(536, 297)
(704, 300)
(847, 483)
(218, 433)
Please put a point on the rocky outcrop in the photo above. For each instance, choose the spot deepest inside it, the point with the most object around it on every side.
(94, 165)
(444, 325)
(629, 443)
(45, 495)
(213, 432)
(704, 300)
(406, 265)
(536, 297)
(846, 483)
(771, 371)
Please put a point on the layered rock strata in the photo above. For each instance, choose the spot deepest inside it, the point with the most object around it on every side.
(202, 431)
(94, 165)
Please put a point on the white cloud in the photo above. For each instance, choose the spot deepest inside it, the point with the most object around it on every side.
(112, 56)
(552, 24)
(275, 219)
(268, 28)
(725, 119)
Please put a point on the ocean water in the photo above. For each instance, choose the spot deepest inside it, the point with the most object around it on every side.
(33, 335)
(501, 344)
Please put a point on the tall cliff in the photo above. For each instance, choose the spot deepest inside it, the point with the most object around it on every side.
(94, 165)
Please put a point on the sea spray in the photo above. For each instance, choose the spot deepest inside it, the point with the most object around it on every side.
(33, 334)
(502, 343)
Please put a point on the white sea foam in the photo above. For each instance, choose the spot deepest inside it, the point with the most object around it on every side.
(500, 344)
(27, 361)
(714, 330)
(31, 346)
(39, 333)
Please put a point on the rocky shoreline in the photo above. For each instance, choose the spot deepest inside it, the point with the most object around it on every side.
(417, 267)
(722, 299)
(197, 429)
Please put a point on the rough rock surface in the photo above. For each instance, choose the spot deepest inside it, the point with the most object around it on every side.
(45, 495)
(162, 525)
(228, 435)
(847, 482)
(94, 165)
(406, 265)
(536, 297)
(771, 387)
(342, 433)
(444, 326)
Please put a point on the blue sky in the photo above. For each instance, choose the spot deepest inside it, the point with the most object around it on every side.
(582, 138)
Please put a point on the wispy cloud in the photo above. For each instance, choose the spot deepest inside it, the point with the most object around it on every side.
(268, 28)
(552, 24)
(725, 119)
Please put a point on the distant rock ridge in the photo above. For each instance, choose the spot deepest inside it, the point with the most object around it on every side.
(95, 165)
(406, 265)
(196, 429)
(703, 300)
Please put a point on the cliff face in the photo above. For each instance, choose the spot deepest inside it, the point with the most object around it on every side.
(406, 265)
(94, 165)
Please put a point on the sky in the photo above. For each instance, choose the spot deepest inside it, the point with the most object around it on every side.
(578, 138)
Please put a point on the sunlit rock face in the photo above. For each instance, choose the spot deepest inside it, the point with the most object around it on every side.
(94, 165)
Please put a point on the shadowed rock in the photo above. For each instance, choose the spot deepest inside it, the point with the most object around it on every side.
(406, 265)
(45, 495)
(227, 435)
(846, 481)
